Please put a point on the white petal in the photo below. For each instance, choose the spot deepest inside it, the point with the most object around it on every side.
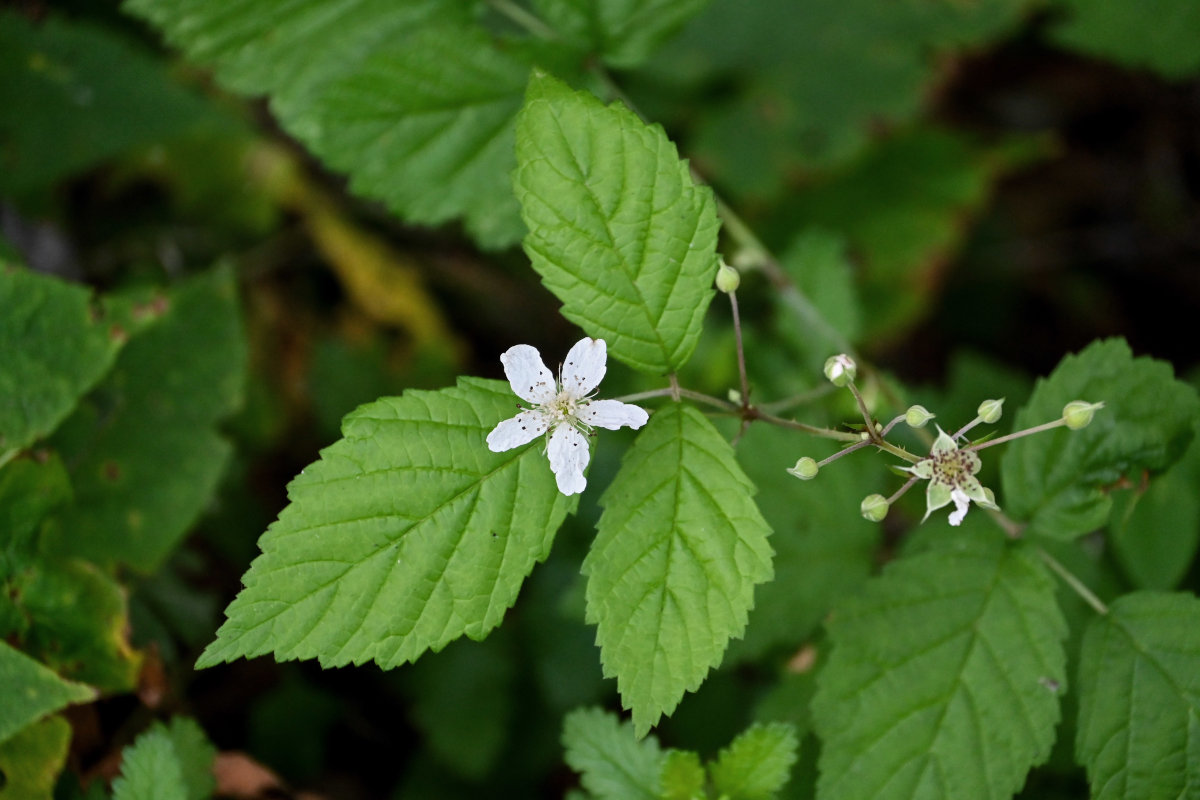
(568, 451)
(527, 374)
(584, 368)
(961, 504)
(521, 429)
(613, 414)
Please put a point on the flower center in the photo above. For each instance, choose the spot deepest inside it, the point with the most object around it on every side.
(954, 467)
(562, 408)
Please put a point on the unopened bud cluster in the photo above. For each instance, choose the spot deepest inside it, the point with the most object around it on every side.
(949, 468)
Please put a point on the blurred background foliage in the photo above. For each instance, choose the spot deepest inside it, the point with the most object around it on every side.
(966, 189)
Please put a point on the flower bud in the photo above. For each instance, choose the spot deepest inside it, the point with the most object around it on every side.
(728, 278)
(990, 410)
(874, 507)
(1078, 413)
(806, 469)
(917, 416)
(840, 369)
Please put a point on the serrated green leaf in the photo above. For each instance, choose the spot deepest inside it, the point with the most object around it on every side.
(56, 346)
(1156, 34)
(943, 676)
(623, 32)
(1139, 695)
(1056, 480)
(409, 97)
(618, 230)
(196, 755)
(73, 94)
(143, 449)
(683, 776)
(407, 534)
(758, 763)
(679, 549)
(151, 769)
(612, 762)
(1155, 529)
(32, 691)
(31, 761)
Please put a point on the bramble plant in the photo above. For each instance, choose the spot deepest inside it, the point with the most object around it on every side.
(746, 493)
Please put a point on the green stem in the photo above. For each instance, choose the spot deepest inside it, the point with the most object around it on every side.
(1074, 582)
(741, 352)
(1045, 426)
(523, 18)
(8, 456)
(827, 433)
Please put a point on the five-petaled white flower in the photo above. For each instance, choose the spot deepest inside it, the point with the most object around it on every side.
(563, 407)
(951, 476)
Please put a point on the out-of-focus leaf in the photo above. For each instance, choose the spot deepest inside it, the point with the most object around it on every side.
(623, 32)
(1155, 530)
(73, 94)
(824, 549)
(31, 691)
(409, 97)
(196, 755)
(1056, 480)
(683, 776)
(901, 208)
(31, 760)
(78, 623)
(1156, 34)
(143, 450)
(56, 346)
(818, 264)
(463, 702)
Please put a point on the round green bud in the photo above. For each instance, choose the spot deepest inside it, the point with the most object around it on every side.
(840, 369)
(728, 278)
(1078, 413)
(874, 507)
(806, 469)
(917, 416)
(990, 410)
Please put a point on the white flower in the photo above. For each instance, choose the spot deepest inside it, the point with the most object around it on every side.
(563, 408)
(951, 476)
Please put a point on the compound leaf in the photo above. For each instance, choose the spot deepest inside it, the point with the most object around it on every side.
(1056, 480)
(943, 677)
(405, 535)
(1139, 698)
(56, 347)
(617, 228)
(613, 764)
(671, 574)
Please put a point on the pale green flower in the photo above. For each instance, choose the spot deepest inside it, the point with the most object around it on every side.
(951, 476)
